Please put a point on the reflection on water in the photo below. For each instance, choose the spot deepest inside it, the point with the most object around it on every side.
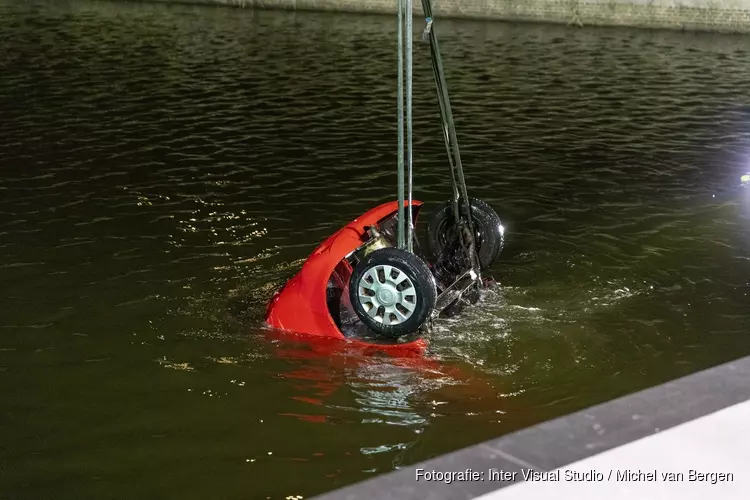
(166, 168)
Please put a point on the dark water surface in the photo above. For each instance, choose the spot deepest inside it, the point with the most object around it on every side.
(164, 169)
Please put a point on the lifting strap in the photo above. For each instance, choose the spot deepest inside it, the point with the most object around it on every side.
(460, 200)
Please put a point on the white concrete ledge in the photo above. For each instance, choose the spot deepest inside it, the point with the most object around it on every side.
(694, 423)
(705, 458)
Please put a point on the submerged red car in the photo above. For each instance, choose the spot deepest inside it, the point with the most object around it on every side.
(357, 286)
(369, 282)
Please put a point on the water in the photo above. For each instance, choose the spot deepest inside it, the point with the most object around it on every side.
(165, 168)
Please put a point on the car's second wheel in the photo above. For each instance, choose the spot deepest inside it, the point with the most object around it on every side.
(488, 231)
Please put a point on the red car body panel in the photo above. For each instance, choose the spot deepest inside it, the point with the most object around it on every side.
(301, 306)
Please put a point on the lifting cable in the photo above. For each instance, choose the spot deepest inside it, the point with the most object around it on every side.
(405, 129)
(405, 37)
